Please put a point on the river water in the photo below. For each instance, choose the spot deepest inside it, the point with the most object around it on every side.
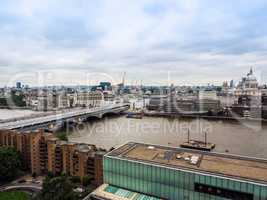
(248, 139)
(15, 113)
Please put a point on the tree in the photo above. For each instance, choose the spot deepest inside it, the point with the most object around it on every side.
(3, 101)
(57, 188)
(18, 99)
(75, 179)
(87, 180)
(15, 99)
(10, 163)
(62, 136)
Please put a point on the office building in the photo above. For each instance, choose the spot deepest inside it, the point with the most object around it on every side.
(18, 85)
(176, 173)
(249, 106)
(105, 86)
(89, 99)
(207, 94)
(185, 105)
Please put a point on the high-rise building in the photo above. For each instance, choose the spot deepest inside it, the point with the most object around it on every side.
(176, 173)
(232, 84)
(105, 86)
(18, 85)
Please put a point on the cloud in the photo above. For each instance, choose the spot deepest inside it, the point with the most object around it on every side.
(196, 41)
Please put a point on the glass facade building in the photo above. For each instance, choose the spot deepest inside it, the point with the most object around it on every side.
(174, 183)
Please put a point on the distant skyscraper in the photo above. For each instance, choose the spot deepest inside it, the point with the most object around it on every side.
(105, 86)
(231, 83)
(18, 85)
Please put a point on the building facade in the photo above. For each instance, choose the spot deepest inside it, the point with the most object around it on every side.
(248, 86)
(208, 94)
(174, 173)
(42, 152)
(176, 104)
(54, 100)
(29, 144)
(89, 99)
(249, 106)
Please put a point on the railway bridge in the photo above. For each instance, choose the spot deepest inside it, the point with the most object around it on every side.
(74, 115)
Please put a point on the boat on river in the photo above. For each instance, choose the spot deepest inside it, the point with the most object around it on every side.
(198, 145)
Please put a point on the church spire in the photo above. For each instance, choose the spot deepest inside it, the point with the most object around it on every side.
(251, 71)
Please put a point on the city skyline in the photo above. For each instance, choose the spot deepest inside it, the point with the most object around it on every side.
(180, 42)
(133, 99)
(45, 79)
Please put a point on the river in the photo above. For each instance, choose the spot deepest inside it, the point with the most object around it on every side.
(248, 139)
(6, 114)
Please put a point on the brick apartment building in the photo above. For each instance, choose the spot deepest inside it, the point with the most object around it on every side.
(42, 152)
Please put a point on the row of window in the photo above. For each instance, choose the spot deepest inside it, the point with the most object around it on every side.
(221, 192)
(128, 174)
(156, 189)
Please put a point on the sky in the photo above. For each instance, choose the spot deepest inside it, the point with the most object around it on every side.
(155, 42)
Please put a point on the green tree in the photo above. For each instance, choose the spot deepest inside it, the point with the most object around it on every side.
(62, 136)
(3, 102)
(57, 188)
(10, 163)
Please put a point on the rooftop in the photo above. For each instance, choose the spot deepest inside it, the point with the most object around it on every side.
(231, 166)
(110, 192)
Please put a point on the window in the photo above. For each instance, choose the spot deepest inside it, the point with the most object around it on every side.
(230, 194)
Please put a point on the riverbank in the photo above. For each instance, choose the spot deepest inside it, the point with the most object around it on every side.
(188, 116)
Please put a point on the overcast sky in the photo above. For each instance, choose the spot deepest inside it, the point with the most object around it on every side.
(157, 41)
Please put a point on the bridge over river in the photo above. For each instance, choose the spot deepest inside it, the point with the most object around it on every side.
(74, 115)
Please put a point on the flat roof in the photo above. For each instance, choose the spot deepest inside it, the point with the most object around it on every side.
(109, 192)
(226, 165)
